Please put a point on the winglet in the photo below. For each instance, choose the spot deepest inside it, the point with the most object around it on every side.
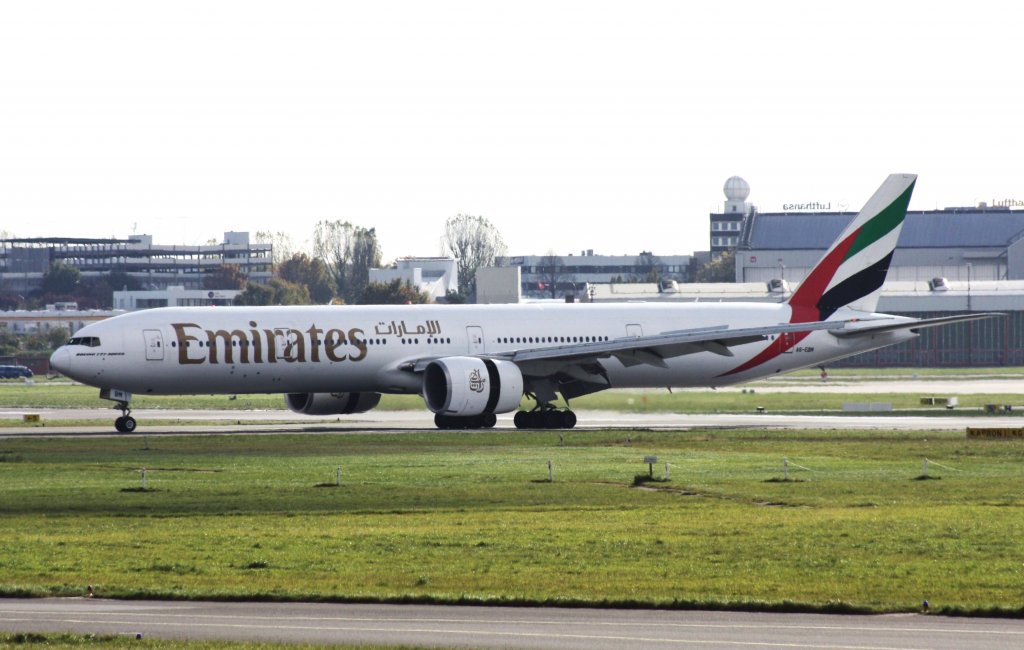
(854, 268)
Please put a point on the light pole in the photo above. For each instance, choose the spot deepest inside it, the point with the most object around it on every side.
(968, 286)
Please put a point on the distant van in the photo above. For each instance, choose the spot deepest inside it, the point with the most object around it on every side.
(14, 372)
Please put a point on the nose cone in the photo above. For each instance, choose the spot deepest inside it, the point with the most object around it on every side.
(61, 360)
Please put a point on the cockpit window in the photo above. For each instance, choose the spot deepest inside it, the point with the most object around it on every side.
(87, 341)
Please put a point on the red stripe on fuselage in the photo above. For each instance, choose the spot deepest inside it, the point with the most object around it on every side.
(803, 304)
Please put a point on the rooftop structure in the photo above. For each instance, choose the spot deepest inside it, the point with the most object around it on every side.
(24, 262)
(960, 244)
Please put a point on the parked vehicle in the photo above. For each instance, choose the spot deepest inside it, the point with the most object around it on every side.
(14, 372)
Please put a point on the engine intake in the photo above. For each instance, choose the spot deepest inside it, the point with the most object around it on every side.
(331, 403)
(466, 386)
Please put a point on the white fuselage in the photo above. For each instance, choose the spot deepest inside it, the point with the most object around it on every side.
(322, 349)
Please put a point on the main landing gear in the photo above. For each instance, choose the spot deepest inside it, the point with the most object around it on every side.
(484, 421)
(545, 416)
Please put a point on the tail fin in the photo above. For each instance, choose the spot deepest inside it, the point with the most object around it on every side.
(854, 268)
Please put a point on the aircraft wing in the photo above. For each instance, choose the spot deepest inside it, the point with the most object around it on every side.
(654, 349)
(651, 349)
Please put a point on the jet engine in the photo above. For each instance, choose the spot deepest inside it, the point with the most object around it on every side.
(331, 403)
(469, 386)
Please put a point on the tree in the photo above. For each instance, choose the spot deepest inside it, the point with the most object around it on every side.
(551, 271)
(225, 276)
(62, 279)
(309, 272)
(720, 269)
(473, 242)
(98, 293)
(349, 252)
(10, 301)
(648, 267)
(57, 337)
(365, 256)
(454, 298)
(395, 292)
(282, 244)
(274, 292)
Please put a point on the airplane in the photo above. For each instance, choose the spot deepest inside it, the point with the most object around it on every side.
(471, 363)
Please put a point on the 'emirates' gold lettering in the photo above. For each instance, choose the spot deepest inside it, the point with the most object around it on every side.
(267, 345)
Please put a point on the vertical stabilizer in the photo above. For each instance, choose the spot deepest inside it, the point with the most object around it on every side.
(854, 268)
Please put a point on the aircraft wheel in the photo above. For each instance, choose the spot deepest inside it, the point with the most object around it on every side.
(440, 421)
(521, 420)
(551, 419)
(119, 425)
(129, 424)
(488, 420)
(568, 420)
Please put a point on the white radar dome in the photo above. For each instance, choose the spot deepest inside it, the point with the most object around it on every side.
(736, 189)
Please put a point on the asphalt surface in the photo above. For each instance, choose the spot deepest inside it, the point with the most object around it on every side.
(285, 422)
(493, 627)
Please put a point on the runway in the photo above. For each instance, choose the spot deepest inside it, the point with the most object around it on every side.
(154, 422)
(284, 421)
(498, 627)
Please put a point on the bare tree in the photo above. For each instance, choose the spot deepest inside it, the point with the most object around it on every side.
(283, 244)
(473, 242)
(552, 271)
(349, 252)
(648, 267)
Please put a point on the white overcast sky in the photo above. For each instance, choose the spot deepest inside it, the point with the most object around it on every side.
(570, 125)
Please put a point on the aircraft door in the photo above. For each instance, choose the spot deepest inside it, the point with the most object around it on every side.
(635, 331)
(475, 337)
(154, 345)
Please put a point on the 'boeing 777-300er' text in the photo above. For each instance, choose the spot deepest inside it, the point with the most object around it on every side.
(472, 362)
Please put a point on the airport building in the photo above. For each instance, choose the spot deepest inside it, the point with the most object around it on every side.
(571, 273)
(24, 262)
(948, 261)
(959, 244)
(174, 297)
(434, 276)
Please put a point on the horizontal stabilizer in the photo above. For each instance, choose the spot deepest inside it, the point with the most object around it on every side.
(874, 327)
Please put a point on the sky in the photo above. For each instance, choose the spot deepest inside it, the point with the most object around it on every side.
(598, 125)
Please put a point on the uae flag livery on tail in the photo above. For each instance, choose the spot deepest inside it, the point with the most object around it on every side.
(852, 272)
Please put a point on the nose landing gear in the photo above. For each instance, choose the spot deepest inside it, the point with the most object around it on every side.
(126, 423)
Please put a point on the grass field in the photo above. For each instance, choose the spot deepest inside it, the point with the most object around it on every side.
(80, 641)
(472, 517)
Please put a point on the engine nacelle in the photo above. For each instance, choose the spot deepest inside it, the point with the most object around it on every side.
(331, 403)
(466, 386)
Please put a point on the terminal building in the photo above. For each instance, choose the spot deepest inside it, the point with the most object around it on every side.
(948, 261)
(24, 262)
(960, 244)
(547, 276)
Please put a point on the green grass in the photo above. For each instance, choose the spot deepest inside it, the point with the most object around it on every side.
(471, 517)
(78, 641)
